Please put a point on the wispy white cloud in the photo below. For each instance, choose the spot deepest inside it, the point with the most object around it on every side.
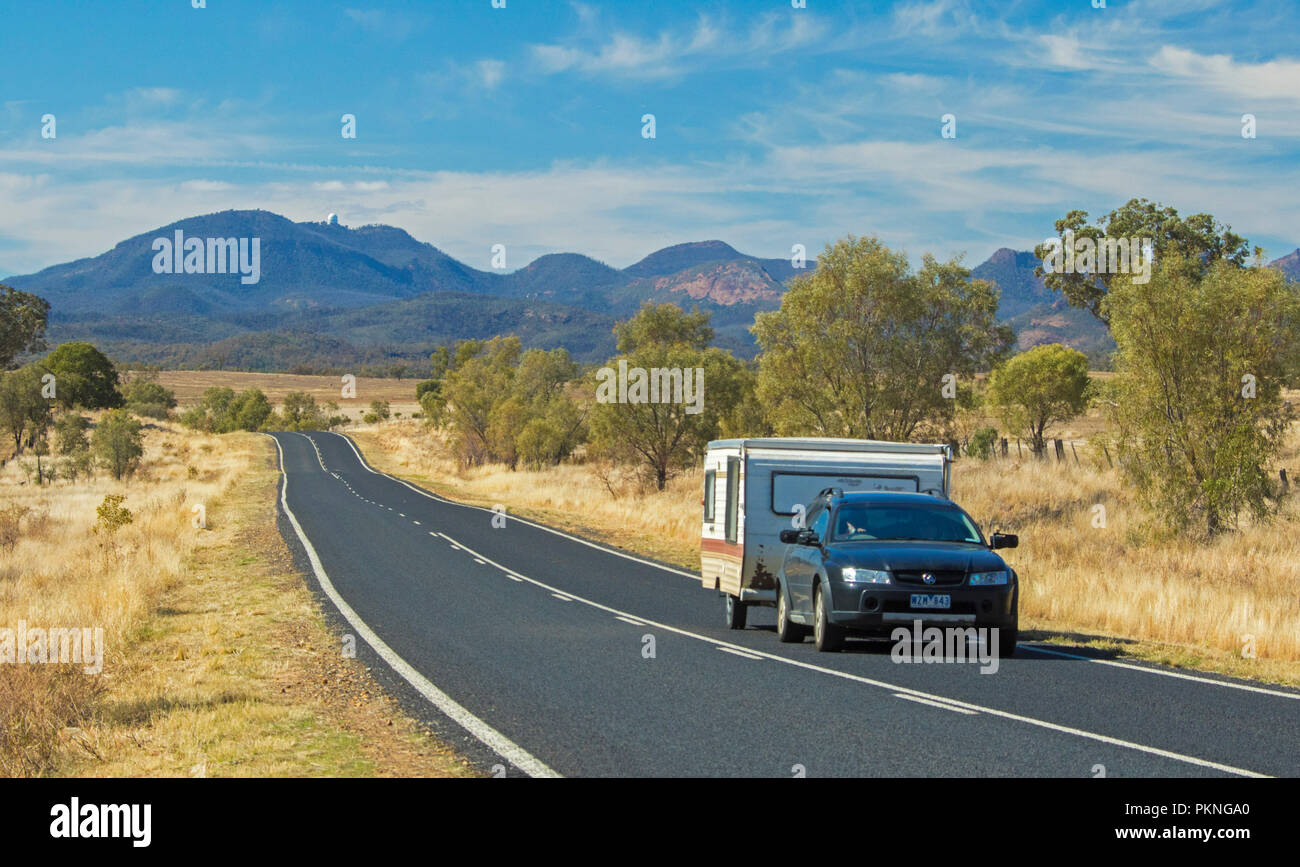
(1275, 79)
(671, 54)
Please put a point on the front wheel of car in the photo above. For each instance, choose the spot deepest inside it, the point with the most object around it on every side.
(828, 637)
(1008, 638)
(786, 630)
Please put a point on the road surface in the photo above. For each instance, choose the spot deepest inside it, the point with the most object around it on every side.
(552, 655)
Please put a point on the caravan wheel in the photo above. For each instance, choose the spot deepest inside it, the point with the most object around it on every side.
(736, 611)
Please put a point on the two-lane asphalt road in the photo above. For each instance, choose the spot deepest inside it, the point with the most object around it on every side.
(566, 657)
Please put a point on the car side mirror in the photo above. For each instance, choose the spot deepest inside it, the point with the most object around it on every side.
(1004, 540)
(790, 537)
(807, 537)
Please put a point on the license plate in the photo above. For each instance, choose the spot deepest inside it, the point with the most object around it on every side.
(931, 600)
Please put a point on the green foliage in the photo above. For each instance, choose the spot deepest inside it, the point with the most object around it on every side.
(491, 392)
(118, 443)
(145, 396)
(380, 410)
(664, 325)
(667, 435)
(982, 443)
(84, 377)
(70, 434)
(861, 347)
(300, 412)
(1203, 355)
(23, 317)
(24, 414)
(1197, 239)
(433, 404)
(112, 515)
(1039, 387)
(78, 465)
(220, 410)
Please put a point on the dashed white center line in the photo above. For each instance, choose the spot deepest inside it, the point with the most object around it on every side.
(480, 562)
(627, 620)
(938, 704)
(562, 598)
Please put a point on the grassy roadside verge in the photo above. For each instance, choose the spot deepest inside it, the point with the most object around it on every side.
(219, 660)
(1157, 603)
(236, 673)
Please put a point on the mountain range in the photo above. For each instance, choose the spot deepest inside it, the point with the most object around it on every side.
(330, 296)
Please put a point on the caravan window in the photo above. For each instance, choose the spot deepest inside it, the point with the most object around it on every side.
(710, 489)
(789, 488)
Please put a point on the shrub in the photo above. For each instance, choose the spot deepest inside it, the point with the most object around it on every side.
(70, 434)
(118, 444)
(113, 516)
(982, 443)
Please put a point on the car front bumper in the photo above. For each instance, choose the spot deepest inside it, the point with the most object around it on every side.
(883, 607)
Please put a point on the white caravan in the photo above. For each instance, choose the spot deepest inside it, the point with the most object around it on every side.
(755, 488)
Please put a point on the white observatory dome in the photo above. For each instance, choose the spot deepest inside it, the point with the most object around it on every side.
(332, 219)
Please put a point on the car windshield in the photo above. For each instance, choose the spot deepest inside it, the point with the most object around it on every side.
(860, 522)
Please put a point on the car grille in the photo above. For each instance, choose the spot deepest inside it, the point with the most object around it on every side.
(946, 578)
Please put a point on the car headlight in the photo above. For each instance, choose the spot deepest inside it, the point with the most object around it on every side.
(986, 579)
(865, 576)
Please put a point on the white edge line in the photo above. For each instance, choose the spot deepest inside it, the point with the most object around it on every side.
(739, 653)
(1106, 739)
(490, 737)
(1178, 674)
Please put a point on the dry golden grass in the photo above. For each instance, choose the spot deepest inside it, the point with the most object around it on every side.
(59, 573)
(1208, 598)
(1179, 601)
(217, 660)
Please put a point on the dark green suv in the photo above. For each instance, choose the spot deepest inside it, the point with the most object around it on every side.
(869, 562)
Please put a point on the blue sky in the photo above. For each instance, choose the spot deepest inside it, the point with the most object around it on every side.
(522, 126)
